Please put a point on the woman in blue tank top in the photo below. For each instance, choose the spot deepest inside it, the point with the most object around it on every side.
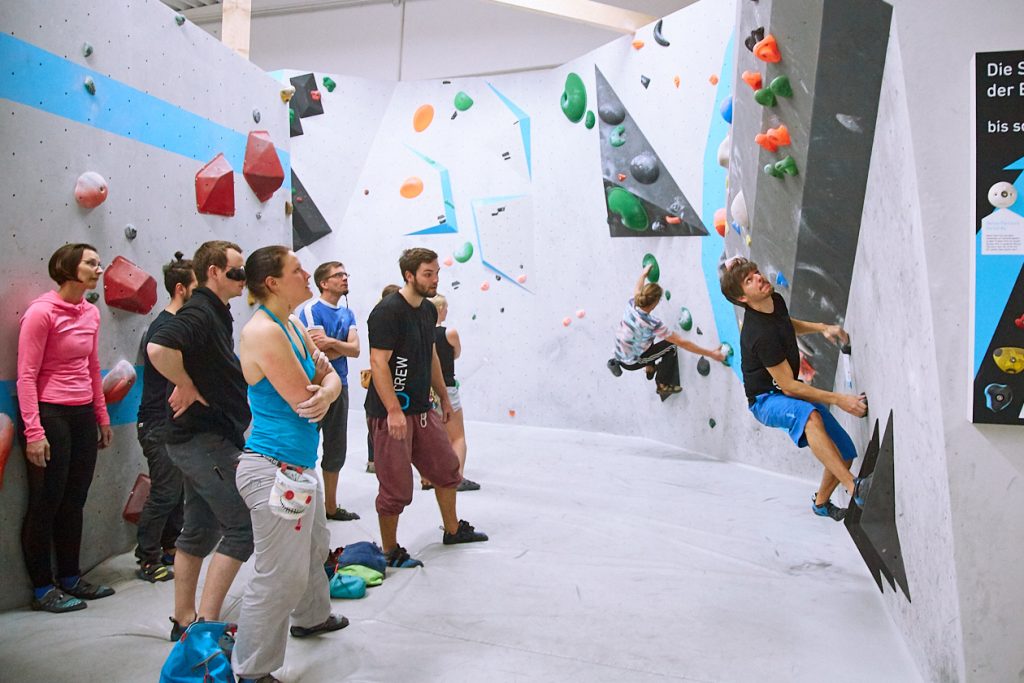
(291, 386)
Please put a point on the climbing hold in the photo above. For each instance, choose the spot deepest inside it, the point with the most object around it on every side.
(256, 115)
(998, 397)
(644, 167)
(92, 297)
(261, 167)
(130, 232)
(770, 169)
(464, 253)
(712, 423)
(288, 208)
(764, 141)
(756, 36)
(668, 295)
(6, 442)
(411, 187)
(698, 331)
(703, 367)
(673, 220)
(484, 286)
(179, 19)
(566, 322)
(621, 177)
(463, 101)
(581, 314)
(521, 278)
(259, 215)
(449, 262)
(655, 273)
(615, 137)
(329, 83)
(511, 413)
(747, 240)
(215, 187)
(644, 81)
(314, 95)
(128, 287)
(638, 44)
(724, 149)
(1002, 195)
(474, 317)
(630, 209)
(292, 116)
(366, 191)
(739, 209)
(787, 166)
(612, 112)
(781, 86)
(685, 319)
(658, 37)
(90, 190)
(676, 81)
(287, 92)
(767, 50)
(118, 382)
(779, 136)
(765, 97)
(781, 280)
(574, 98)
(1019, 322)
(727, 350)
(90, 85)
(752, 78)
(726, 109)
(719, 221)
(86, 49)
(1009, 359)
(736, 227)
(422, 118)
(590, 120)
(713, 79)
(807, 371)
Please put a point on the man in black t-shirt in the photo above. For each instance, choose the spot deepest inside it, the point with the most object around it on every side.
(403, 366)
(771, 364)
(161, 518)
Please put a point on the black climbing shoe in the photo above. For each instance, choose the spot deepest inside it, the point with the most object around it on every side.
(464, 534)
(614, 367)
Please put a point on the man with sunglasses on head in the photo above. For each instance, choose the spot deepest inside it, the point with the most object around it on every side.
(332, 327)
(208, 415)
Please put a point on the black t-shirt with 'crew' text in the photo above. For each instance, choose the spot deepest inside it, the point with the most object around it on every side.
(408, 333)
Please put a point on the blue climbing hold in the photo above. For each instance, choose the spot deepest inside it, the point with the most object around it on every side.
(726, 109)
(781, 280)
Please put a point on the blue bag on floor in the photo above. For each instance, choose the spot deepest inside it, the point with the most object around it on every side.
(203, 655)
(348, 587)
(365, 553)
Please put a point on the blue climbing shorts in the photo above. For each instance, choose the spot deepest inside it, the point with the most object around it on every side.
(791, 414)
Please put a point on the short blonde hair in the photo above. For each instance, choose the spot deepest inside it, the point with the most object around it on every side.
(439, 301)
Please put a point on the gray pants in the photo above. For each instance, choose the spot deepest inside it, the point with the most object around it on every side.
(334, 428)
(162, 515)
(289, 577)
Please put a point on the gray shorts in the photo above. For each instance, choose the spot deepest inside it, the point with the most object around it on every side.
(334, 428)
(453, 396)
(214, 512)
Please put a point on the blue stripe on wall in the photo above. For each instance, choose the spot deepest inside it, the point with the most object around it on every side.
(714, 198)
(42, 80)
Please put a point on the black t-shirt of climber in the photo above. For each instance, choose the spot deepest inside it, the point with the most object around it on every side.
(408, 333)
(765, 341)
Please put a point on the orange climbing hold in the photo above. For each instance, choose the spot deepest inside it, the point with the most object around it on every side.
(767, 50)
(622, 176)
(766, 142)
(448, 261)
(780, 135)
(638, 44)
(521, 278)
(484, 286)
(422, 118)
(713, 79)
(676, 81)
(753, 79)
(673, 220)
(581, 314)
(411, 187)
(566, 322)
(511, 413)
(720, 222)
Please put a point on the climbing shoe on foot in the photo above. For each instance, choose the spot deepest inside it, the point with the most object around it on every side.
(828, 510)
(861, 488)
(58, 602)
(342, 515)
(88, 591)
(614, 367)
(468, 485)
(464, 534)
(335, 622)
(400, 558)
(154, 572)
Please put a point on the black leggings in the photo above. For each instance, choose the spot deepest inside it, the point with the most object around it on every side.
(667, 365)
(57, 492)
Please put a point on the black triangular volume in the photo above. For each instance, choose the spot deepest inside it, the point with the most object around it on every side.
(308, 224)
(632, 166)
(304, 101)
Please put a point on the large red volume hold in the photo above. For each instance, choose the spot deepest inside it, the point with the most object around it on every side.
(128, 287)
(262, 168)
(215, 187)
(6, 442)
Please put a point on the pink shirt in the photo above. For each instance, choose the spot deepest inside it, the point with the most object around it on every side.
(58, 360)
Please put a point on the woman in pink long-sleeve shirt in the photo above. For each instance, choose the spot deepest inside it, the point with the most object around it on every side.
(61, 399)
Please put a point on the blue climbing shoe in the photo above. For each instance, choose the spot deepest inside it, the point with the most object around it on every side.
(828, 510)
(56, 601)
(861, 489)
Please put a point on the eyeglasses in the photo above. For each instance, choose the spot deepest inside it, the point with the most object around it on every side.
(92, 263)
(341, 274)
(237, 274)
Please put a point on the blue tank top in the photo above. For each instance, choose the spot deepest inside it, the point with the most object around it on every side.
(277, 430)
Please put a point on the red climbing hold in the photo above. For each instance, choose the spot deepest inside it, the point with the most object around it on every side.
(90, 190)
(215, 187)
(314, 95)
(128, 287)
(6, 442)
(118, 382)
(262, 167)
(1019, 322)
(768, 50)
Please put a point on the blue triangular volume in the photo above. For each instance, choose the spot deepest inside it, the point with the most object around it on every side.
(524, 127)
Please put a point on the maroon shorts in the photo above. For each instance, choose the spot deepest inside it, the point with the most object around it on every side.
(425, 446)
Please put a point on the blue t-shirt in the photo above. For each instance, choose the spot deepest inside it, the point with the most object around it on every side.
(336, 321)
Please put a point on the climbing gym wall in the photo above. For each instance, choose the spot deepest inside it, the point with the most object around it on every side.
(126, 127)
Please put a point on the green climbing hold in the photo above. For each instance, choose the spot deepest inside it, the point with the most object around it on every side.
(727, 350)
(329, 84)
(765, 97)
(574, 98)
(781, 86)
(655, 274)
(179, 19)
(668, 295)
(590, 120)
(615, 137)
(464, 253)
(712, 423)
(86, 49)
(770, 169)
(463, 101)
(291, 115)
(92, 297)
(787, 166)
(629, 207)
(685, 319)
(90, 85)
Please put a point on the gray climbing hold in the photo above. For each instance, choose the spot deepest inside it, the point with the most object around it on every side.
(86, 49)
(130, 232)
(256, 115)
(644, 167)
(703, 367)
(612, 113)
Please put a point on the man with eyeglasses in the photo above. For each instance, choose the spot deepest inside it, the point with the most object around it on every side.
(332, 327)
(208, 415)
(771, 365)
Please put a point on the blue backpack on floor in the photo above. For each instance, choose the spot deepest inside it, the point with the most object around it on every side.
(203, 655)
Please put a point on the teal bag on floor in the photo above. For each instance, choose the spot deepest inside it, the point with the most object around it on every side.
(203, 655)
(346, 586)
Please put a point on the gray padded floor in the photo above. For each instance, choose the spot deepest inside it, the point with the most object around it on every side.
(611, 559)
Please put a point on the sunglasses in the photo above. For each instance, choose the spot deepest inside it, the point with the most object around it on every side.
(236, 274)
